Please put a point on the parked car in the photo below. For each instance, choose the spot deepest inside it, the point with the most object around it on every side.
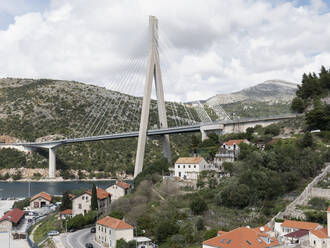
(93, 230)
(72, 230)
(53, 233)
(89, 245)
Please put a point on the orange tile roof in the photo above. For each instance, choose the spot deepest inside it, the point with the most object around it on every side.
(221, 232)
(232, 142)
(189, 160)
(300, 224)
(123, 185)
(66, 211)
(44, 195)
(113, 223)
(101, 193)
(322, 233)
(242, 237)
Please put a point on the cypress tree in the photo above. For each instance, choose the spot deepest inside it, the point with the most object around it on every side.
(94, 205)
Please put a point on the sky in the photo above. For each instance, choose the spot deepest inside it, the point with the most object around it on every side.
(209, 46)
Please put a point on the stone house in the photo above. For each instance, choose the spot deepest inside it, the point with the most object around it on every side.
(40, 200)
(118, 190)
(81, 204)
(190, 167)
(109, 230)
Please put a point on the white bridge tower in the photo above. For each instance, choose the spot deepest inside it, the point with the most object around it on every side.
(153, 74)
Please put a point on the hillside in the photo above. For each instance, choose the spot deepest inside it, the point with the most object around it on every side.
(272, 97)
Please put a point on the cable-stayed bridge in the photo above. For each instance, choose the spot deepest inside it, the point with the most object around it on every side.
(117, 115)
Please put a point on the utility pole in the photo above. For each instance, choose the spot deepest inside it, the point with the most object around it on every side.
(153, 74)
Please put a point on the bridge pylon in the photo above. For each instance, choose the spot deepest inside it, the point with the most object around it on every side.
(153, 74)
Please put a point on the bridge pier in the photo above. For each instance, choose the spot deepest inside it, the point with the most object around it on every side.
(52, 163)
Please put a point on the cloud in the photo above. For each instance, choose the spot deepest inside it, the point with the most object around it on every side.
(206, 47)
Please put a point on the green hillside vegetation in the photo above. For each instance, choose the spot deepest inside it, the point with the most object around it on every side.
(255, 192)
(313, 99)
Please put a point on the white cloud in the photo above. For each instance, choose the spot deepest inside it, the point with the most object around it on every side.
(214, 46)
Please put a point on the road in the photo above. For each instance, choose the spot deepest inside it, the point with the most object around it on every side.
(77, 239)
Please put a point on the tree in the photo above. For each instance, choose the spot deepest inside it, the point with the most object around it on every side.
(198, 206)
(210, 234)
(307, 140)
(121, 243)
(66, 202)
(297, 105)
(117, 214)
(94, 205)
(165, 229)
(228, 167)
(200, 224)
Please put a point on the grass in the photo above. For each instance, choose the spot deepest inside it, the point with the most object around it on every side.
(48, 224)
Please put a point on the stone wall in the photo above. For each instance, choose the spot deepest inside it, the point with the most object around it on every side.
(319, 192)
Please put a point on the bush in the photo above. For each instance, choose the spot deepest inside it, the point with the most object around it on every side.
(117, 214)
(17, 175)
(316, 216)
(198, 206)
(80, 220)
(319, 203)
(210, 234)
(22, 203)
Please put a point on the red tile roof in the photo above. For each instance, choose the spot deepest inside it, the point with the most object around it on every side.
(300, 224)
(328, 209)
(43, 195)
(232, 142)
(14, 215)
(123, 185)
(66, 212)
(101, 193)
(322, 233)
(297, 234)
(242, 237)
(189, 160)
(113, 223)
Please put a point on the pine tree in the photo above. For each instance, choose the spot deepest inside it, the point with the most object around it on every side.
(66, 202)
(94, 205)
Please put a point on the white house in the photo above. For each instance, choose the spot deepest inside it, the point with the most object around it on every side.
(40, 200)
(67, 213)
(81, 204)
(304, 233)
(109, 230)
(190, 167)
(233, 145)
(143, 242)
(118, 190)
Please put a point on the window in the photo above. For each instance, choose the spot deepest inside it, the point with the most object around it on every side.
(248, 242)
(79, 206)
(184, 166)
(83, 197)
(195, 166)
(99, 228)
(178, 166)
(189, 166)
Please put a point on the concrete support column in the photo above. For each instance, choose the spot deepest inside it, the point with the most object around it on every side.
(52, 163)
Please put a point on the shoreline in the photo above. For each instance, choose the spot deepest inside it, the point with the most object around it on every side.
(59, 179)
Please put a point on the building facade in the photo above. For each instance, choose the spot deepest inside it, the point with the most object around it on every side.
(118, 190)
(190, 167)
(81, 204)
(40, 200)
(109, 230)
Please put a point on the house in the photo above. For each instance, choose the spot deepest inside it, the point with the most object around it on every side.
(40, 200)
(10, 219)
(189, 167)
(67, 213)
(243, 237)
(81, 204)
(233, 146)
(289, 226)
(118, 190)
(306, 234)
(109, 230)
(143, 242)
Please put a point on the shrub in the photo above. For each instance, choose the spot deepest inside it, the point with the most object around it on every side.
(198, 206)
